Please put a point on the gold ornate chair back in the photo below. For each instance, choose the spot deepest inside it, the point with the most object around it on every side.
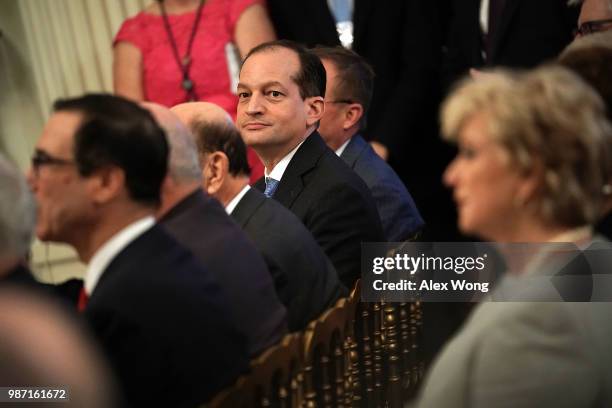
(352, 381)
(276, 375)
(325, 366)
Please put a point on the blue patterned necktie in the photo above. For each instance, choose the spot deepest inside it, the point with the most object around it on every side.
(271, 185)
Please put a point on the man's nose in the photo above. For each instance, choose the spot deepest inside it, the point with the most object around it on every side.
(255, 105)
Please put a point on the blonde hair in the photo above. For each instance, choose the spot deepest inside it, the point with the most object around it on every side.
(546, 118)
(599, 39)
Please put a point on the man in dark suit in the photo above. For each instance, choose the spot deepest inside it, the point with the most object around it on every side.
(17, 220)
(402, 41)
(198, 222)
(304, 278)
(279, 108)
(347, 98)
(158, 314)
(512, 33)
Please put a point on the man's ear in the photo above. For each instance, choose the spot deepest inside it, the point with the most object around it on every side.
(215, 172)
(314, 109)
(106, 183)
(352, 115)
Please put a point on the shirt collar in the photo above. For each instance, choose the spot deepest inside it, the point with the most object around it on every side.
(278, 170)
(111, 248)
(340, 150)
(229, 208)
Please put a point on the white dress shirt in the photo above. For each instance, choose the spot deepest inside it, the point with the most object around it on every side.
(340, 150)
(229, 208)
(278, 170)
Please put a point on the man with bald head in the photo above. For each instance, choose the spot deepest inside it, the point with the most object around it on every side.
(199, 223)
(305, 280)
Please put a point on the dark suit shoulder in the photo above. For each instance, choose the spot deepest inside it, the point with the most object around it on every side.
(201, 224)
(153, 310)
(333, 203)
(398, 212)
(305, 280)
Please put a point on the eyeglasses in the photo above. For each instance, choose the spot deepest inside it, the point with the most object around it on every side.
(590, 27)
(346, 101)
(41, 158)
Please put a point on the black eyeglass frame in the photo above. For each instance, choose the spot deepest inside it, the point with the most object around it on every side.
(344, 101)
(590, 27)
(41, 158)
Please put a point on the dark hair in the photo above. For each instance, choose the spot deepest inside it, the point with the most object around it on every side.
(355, 77)
(310, 78)
(592, 64)
(214, 137)
(118, 132)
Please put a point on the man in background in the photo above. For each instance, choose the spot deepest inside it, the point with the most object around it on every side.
(158, 314)
(348, 94)
(198, 222)
(17, 222)
(279, 108)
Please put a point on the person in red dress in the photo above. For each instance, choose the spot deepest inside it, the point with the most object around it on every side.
(181, 50)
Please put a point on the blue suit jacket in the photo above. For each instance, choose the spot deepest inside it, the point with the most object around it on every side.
(399, 216)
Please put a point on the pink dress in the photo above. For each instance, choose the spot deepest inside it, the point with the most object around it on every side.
(210, 71)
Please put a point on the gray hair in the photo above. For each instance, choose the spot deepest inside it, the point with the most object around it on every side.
(184, 163)
(17, 211)
(547, 116)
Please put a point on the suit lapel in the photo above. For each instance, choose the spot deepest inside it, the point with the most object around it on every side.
(304, 160)
(353, 150)
(510, 9)
(247, 206)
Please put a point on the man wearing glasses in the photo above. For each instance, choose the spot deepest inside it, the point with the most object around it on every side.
(595, 16)
(348, 94)
(96, 174)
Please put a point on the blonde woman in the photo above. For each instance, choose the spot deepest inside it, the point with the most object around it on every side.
(531, 148)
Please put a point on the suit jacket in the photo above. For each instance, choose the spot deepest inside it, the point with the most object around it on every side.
(305, 280)
(162, 320)
(402, 40)
(200, 224)
(513, 354)
(552, 353)
(332, 202)
(398, 213)
(530, 32)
